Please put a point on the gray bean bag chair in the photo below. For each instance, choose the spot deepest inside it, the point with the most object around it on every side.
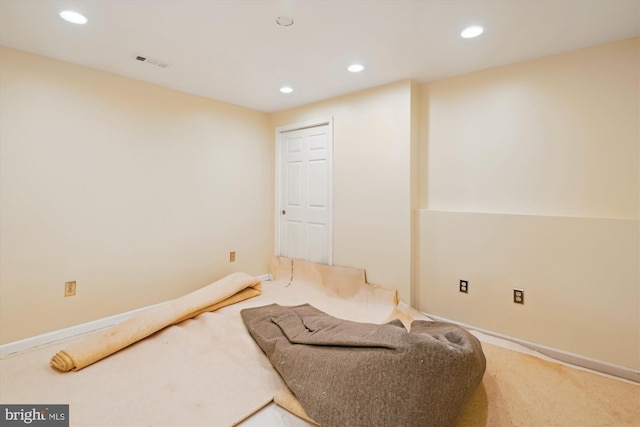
(360, 374)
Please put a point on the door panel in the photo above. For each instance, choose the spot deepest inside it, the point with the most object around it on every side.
(294, 144)
(317, 184)
(317, 242)
(294, 178)
(293, 233)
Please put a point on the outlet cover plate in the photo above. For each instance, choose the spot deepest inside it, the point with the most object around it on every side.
(70, 288)
(464, 286)
(518, 296)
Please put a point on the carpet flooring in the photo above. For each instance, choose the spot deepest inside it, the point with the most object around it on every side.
(524, 390)
(209, 372)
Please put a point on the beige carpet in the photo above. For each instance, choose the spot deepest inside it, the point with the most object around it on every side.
(231, 289)
(208, 371)
(523, 390)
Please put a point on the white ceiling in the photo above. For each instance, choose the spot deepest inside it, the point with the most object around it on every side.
(233, 50)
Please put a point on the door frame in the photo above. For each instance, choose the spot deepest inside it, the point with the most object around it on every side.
(278, 174)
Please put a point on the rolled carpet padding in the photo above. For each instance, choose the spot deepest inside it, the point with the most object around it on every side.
(362, 374)
(233, 288)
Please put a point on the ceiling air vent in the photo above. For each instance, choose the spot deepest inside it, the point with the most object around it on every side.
(152, 61)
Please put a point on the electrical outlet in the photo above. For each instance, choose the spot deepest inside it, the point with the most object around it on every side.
(464, 286)
(518, 296)
(69, 289)
(232, 256)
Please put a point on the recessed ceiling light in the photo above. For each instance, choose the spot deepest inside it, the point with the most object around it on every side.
(286, 89)
(284, 21)
(471, 32)
(356, 68)
(73, 17)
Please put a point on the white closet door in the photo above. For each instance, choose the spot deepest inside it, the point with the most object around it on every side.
(305, 194)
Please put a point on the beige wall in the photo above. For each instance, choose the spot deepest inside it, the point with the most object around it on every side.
(135, 191)
(530, 178)
(580, 277)
(554, 136)
(372, 174)
(519, 176)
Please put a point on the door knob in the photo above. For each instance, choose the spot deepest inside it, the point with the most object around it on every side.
(284, 212)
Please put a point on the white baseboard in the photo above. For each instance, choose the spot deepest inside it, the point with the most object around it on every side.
(265, 277)
(85, 328)
(63, 334)
(77, 330)
(561, 355)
